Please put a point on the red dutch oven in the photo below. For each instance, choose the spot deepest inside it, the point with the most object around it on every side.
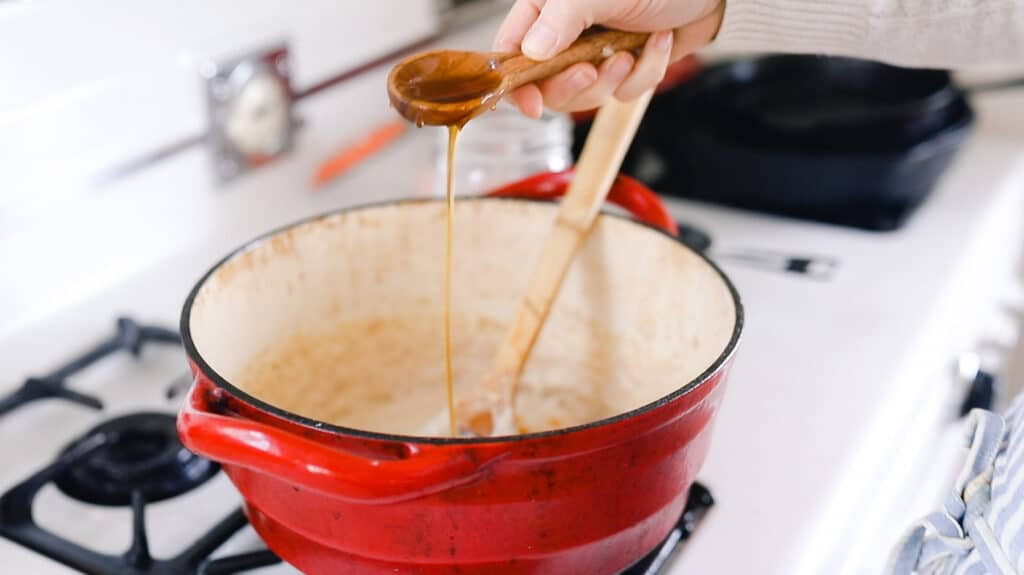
(591, 498)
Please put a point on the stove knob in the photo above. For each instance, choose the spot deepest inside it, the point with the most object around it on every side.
(258, 119)
(251, 110)
(982, 386)
(981, 393)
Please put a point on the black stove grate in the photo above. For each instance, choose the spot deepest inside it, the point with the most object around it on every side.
(130, 336)
(17, 524)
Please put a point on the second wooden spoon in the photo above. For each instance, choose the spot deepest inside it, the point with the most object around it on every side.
(487, 407)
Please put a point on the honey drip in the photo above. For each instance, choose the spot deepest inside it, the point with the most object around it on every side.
(453, 135)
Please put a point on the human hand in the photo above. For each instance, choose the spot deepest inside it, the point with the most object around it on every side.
(542, 28)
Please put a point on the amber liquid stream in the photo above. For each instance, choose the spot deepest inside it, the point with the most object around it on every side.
(471, 82)
(453, 134)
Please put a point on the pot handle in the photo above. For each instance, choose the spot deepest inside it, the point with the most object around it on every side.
(627, 193)
(233, 440)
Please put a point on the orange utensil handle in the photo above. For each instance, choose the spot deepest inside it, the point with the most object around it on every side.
(352, 155)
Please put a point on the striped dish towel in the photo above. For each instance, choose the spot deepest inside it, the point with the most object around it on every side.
(981, 528)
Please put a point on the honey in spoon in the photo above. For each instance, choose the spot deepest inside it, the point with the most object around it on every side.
(445, 88)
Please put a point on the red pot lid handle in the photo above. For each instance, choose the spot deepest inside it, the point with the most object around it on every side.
(316, 465)
(627, 193)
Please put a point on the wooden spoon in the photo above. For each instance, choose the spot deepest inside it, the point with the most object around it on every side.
(449, 87)
(486, 409)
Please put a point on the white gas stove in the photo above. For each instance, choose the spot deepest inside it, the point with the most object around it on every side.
(839, 426)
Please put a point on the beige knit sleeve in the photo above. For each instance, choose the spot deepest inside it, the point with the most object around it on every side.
(922, 33)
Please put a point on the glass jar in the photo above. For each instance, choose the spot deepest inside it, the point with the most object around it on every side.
(502, 146)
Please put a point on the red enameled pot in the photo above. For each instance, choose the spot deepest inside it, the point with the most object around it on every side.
(589, 499)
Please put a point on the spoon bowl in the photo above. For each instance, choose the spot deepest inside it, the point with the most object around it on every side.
(450, 87)
(446, 86)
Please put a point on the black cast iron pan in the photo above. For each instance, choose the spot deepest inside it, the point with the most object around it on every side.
(837, 140)
(840, 103)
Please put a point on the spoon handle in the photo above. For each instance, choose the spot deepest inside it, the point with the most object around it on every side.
(609, 139)
(593, 47)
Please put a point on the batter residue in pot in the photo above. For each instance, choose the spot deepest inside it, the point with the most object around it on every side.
(378, 375)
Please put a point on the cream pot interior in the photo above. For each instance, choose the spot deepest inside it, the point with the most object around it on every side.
(339, 319)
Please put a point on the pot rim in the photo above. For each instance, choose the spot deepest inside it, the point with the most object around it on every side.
(193, 352)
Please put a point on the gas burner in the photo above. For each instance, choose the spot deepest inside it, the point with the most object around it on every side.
(130, 336)
(140, 453)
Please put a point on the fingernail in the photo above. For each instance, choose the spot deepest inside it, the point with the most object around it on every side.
(540, 41)
(663, 41)
(621, 66)
(582, 79)
(530, 109)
